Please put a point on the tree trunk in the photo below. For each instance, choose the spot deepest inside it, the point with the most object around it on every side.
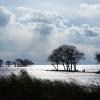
(71, 66)
(67, 66)
(64, 66)
(74, 67)
(57, 66)
(54, 66)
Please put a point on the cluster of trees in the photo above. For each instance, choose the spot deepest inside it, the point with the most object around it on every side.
(17, 62)
(68, 56)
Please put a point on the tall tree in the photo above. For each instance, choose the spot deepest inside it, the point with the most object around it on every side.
(8, 63)
(1, 62)
(77, 57)
(55, 58)
(97, 57)
(52, 60)
(27, 62)
(14, 63)
(19, 62)
(66, 55)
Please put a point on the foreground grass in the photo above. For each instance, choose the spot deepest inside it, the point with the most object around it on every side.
(23, 87)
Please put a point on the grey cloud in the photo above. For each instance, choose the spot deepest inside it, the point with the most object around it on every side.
(88, 31)
(91, 33)
(31, 16)
(45, 29)
(5, 17)
(36, 39)
(84, 35)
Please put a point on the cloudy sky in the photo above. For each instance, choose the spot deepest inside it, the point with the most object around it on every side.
(33, 28)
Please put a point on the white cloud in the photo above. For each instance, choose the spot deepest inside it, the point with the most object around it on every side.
(36, 34)
(80, 35)
(30, 16)
(90, 10)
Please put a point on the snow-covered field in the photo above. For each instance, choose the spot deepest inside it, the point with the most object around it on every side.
(39, 71)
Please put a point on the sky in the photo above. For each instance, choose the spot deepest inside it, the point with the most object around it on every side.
(33, 28)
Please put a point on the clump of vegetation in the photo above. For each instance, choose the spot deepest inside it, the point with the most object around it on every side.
(17, 63)
(23, 87)
(21, 62)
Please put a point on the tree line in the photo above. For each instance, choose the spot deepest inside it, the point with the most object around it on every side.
(17, 62)
(68, 56)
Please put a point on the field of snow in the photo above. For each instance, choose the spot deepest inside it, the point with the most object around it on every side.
(39, 71)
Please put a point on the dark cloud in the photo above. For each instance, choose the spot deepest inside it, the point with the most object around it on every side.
(5, 17)
(45, 29)
(91, 33)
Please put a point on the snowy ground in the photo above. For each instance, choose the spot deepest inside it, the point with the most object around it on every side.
(39, 71)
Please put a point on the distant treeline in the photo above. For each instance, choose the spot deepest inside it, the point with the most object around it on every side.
(17, 62)
(67, 55)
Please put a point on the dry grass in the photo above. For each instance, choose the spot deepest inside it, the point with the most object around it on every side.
(23, 87)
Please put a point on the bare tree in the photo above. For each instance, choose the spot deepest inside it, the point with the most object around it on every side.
(74, 56)
(1, 62)
(14, 63)
(97, 57)
(77, 57)
(52, 60)
(55, 58)
(19, 62)
(27, 62)
(8, 63)
(66, 55)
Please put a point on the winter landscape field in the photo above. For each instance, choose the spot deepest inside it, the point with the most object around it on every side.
(45, 72)
(49, 49)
